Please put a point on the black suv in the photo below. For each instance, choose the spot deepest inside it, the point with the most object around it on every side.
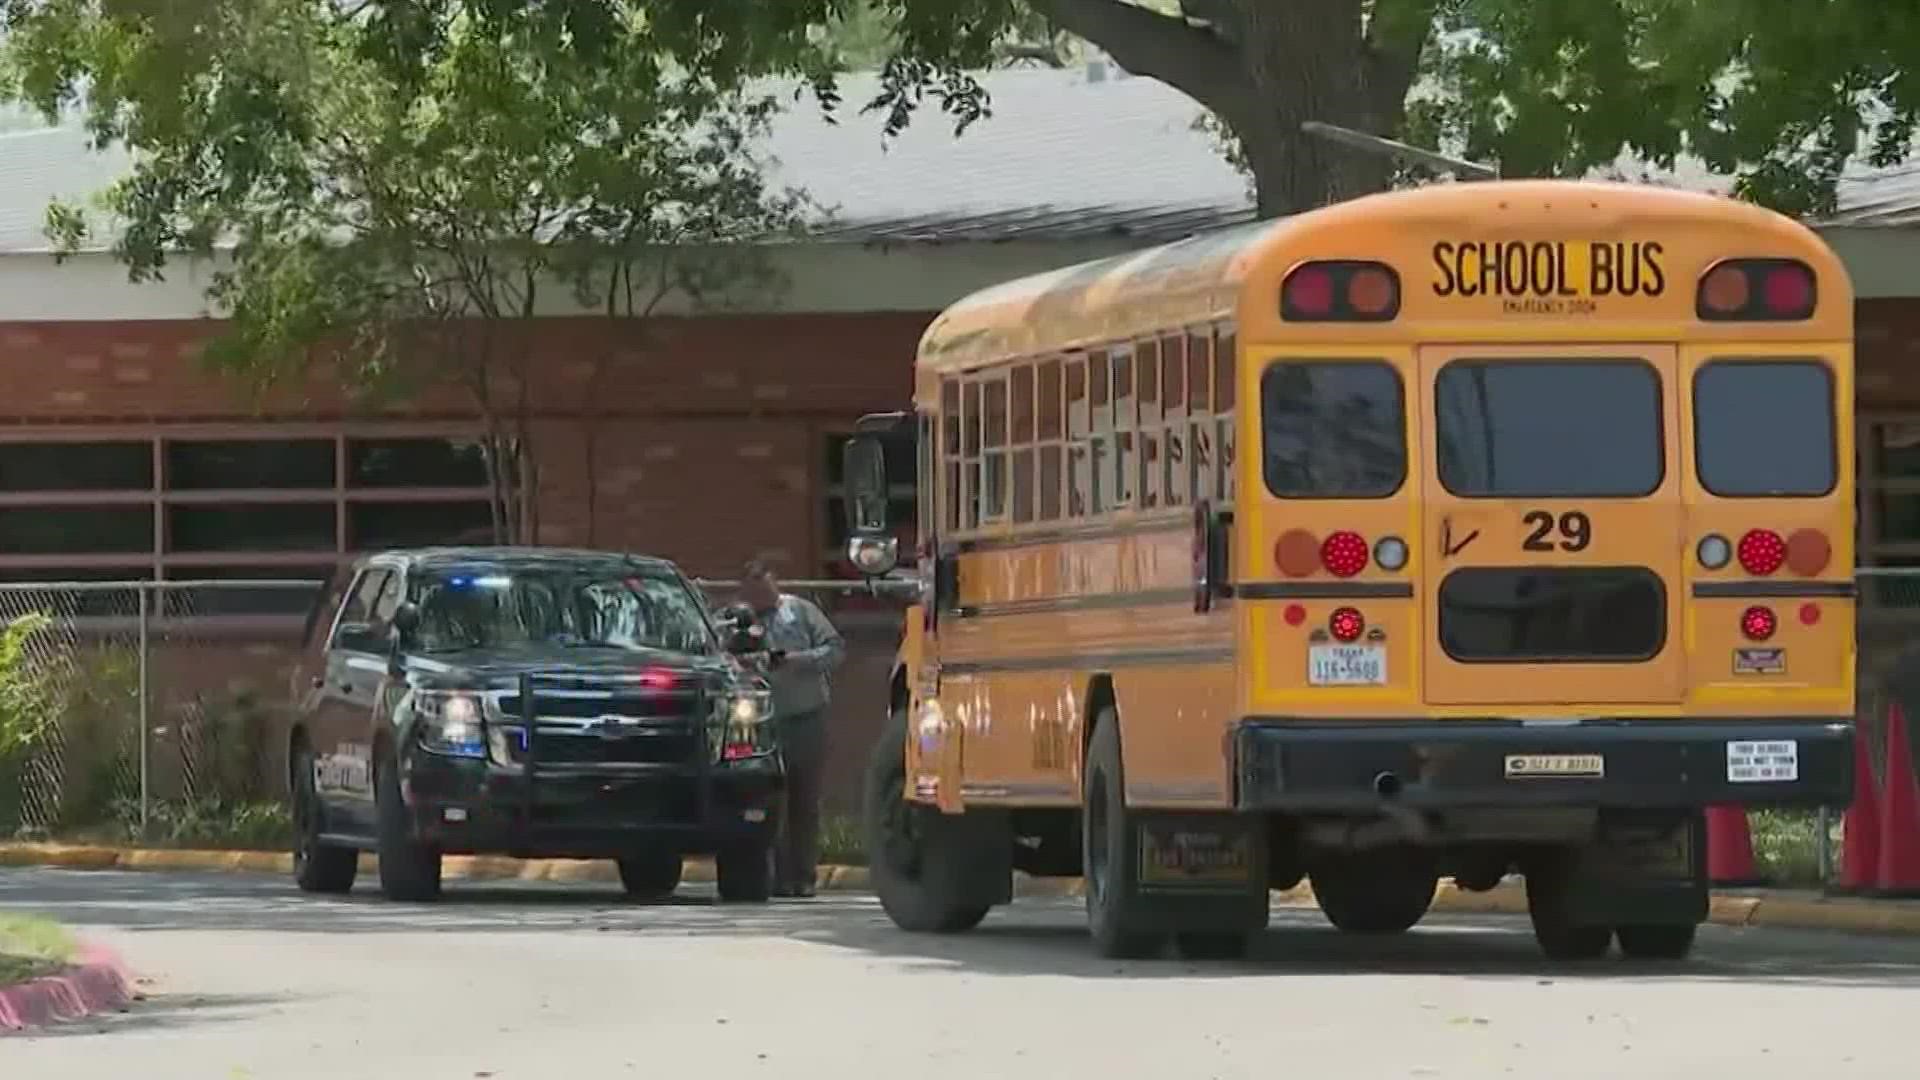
(532, 702)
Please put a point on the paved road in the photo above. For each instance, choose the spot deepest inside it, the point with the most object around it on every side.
(249, 980)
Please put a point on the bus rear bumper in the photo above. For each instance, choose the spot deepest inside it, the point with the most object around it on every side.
(1315, 766)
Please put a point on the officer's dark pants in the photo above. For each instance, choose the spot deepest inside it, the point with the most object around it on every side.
(803, 745)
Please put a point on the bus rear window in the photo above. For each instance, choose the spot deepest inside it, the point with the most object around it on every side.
(1549, 428)
(1764, 428)
(1333, 429)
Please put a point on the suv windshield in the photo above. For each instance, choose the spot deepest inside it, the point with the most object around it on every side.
(505, 606)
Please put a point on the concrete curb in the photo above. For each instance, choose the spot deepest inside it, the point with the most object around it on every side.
(97, 983)
(1761, 908)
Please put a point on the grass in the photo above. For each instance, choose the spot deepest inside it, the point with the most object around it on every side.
(31, 947)
(1786, 848)
(840, 841)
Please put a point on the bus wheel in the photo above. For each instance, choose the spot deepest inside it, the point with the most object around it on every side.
(898, 845)
(1669, 942)
(1548, 885)
(1379, 892)
(1110, 851)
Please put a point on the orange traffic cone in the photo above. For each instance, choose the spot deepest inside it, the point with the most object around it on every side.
(1860, 838)
(1898, 872)
(1730, 848)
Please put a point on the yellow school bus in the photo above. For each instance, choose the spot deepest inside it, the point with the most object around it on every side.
(1454, 532)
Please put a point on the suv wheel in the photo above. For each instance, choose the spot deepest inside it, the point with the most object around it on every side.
(409, 870)
(744, 872)
(650, 874)
(317, 867)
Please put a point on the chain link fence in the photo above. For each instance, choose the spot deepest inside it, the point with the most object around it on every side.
(156, 710)
(146, 709)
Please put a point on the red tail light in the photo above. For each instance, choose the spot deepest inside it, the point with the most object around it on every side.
(1761, 552)
(1808, 552)
(1758, 623)
(1308, 293)
(1339, 290)
(1346, 624)
(1344, 554)
(736, 751)
(1756, 290)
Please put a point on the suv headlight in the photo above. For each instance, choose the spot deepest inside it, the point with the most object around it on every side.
(741, 724)
(449, 723)
(747, 707)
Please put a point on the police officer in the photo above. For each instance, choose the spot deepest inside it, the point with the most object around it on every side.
(803, 650)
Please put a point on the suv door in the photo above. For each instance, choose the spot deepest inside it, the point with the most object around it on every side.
(306, 686)
(342, 727)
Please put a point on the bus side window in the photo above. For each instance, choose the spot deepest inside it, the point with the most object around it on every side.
(1079, 429)
(970, 472)
(950, 487)
(1223, 401)
(1050, 430)
(993, 463)
(1126, 424)
(1173, 414)
(1200, 470)
(1146, 391)
(1100, 446)
(1020, 438)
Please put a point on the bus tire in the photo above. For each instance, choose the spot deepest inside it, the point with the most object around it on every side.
(1672, 941)
(1376, 892)
(1109, 851)
(898, 844)
(1549, 882)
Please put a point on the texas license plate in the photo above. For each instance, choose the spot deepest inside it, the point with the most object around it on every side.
(1346, 665)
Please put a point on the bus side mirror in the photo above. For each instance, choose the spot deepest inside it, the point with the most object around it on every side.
(871, 548)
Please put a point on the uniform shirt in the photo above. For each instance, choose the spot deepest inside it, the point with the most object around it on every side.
(800, 629)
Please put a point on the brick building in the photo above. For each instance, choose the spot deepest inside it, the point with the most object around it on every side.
(120, 458)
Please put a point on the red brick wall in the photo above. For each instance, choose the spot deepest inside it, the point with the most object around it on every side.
(1887, 354)
(701, 440)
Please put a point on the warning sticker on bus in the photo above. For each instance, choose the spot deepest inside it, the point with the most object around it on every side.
(1550, 277)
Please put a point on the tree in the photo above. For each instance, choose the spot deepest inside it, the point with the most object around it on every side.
(1782, 96)
(399, 190)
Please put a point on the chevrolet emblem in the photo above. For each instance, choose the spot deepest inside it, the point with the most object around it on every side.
(610, 726)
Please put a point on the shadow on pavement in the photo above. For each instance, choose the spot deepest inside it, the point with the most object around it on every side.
(1034, 937)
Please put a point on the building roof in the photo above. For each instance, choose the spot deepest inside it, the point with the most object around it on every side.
(1077, 153)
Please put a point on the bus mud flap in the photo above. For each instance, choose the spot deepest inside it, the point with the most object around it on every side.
(1639, 869)
(1200, 872)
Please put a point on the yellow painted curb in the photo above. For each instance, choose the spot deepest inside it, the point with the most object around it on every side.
(65, 856)
(1857, 916)
(1503, 899)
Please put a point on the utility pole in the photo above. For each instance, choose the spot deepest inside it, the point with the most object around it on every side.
(1374, 144)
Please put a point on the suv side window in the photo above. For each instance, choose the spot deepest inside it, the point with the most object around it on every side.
(325, 603)
(357, 629)
(386, 603)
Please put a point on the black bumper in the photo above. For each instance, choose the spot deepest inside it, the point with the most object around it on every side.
(470, 807)
(1304, 765)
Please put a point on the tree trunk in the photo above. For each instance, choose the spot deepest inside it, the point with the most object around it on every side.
(1310, 61)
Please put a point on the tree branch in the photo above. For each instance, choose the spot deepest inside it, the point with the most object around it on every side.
(1194, 60)
(1219, 16)
(1395, 41)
